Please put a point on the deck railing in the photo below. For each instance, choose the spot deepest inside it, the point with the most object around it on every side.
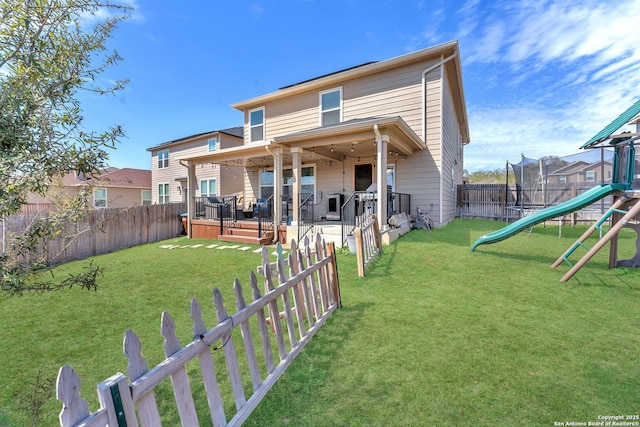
(265, 216)
(227, 212)
(305, 216)
(362, 204)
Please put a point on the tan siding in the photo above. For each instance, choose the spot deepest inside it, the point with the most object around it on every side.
(124, 197)
(394, 93)
(292, 115)
(452, 156)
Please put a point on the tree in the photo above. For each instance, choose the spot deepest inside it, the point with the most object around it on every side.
(50, 51)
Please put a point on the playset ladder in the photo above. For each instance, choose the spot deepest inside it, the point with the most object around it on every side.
(597, 226)
(615, 229)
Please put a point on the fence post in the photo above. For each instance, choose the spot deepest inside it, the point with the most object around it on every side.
(376, 234)
(116, 399)
(335, 283)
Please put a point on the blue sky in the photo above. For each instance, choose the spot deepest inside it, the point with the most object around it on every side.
(540, 77)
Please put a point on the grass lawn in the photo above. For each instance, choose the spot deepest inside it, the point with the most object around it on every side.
(434, 335)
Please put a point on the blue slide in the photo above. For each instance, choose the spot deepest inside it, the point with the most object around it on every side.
(577, 203)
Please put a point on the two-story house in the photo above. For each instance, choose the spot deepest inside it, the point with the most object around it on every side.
(582, 172)
(387, 128)
(169, 182)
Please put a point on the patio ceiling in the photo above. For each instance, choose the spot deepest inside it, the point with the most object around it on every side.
(352, 139)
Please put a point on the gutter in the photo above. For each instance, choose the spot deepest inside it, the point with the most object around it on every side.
(189, 201)
(424, 118)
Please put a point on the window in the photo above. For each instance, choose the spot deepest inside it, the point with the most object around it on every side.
(163, 159)
(146, 197)
(163, 193)
(307, 183)
(266, 184)
(256, 125)
(213, 144)
(590, 176)
(331, 107)
(208, 187)
(100, 198)
(391, 177)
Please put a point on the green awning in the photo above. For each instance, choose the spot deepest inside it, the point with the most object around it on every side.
(614, 125)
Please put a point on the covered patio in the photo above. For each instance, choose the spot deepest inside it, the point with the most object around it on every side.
(330, 150)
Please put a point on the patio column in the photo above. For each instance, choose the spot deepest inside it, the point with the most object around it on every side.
(277, 187)
(191, 194)
(382, 142)
(296, 164)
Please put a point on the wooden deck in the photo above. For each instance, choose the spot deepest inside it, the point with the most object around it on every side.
(243, 231)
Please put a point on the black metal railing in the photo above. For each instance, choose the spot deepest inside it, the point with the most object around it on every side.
(264, 210)
(398, 203)
(362, 204)
(286, 209)
(305, 216)
(227, 212)
(222, 209)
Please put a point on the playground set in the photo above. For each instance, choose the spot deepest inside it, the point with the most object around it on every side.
(624, 212)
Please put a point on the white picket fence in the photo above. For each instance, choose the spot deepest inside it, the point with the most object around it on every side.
(305, 297)
(368, 242)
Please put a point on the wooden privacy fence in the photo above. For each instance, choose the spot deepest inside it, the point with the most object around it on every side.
(368, 242)
(502, 202)
(486, 201)
(103, 230)
(306, 295)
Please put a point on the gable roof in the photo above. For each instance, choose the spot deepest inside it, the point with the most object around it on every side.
(612, 127)
(577, 167)
(112, 178)
(236, 131)
(445, 50)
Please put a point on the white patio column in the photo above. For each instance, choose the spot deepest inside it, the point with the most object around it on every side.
(277, 187)
(296, 165)
(382, 143)
(191, 194)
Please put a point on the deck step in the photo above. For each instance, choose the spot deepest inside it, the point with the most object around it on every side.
(241, 232)
(251, 239)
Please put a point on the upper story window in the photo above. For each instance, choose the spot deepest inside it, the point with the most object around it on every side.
(163, 159)
(562, 178)
(256, 125)
(330, 107)
(590, 176)
(213, 144)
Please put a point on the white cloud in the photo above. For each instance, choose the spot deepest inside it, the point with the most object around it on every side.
(570, 68)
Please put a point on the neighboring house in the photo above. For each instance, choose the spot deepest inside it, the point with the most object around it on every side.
(169, 175)
(581, 171)
(397, 126)
(114, 188)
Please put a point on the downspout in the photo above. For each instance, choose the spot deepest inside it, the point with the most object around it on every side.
(276, 195)
(381, 182)
(424, 117)
(189, 198)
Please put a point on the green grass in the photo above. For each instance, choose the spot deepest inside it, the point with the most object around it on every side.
(434, 335)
